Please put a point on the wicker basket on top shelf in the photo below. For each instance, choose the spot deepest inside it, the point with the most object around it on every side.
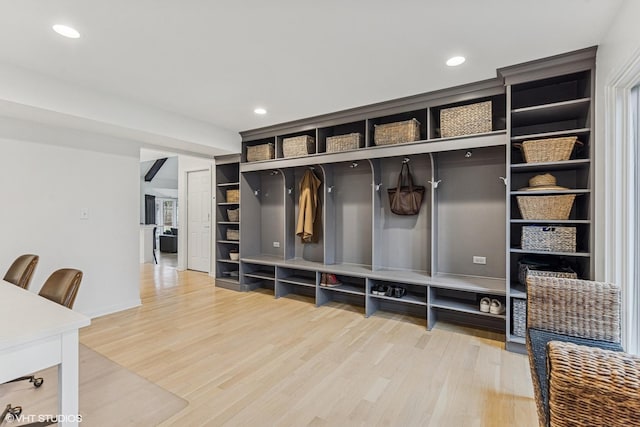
(298, 146)
(548, 150)
(350, 141)
(260, 152)
(397, 133)
(466, 119)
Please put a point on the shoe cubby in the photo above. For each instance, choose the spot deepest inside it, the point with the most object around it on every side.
(352, 290)
(402, 242)
(258, 275)
(383, 295)
(455, 305)
(300, 282)
(295, 248)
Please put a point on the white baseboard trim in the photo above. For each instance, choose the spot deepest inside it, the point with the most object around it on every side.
(113, 308)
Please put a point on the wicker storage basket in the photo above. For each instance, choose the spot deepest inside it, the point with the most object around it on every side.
(233, 196)
(549, 238)
(233, 234)
(397, 133)
(465, 120)
(525, 270)
(260, 152)
(233, 215)
(548, 150)
(519, 316)
(351, 141)
(298, 146)
(546, 207)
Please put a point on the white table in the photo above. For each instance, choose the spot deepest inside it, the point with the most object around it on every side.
(36, 333)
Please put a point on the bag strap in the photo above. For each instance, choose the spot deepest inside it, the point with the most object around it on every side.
(402, 175)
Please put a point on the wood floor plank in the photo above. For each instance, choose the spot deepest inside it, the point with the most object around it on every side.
(251, 359)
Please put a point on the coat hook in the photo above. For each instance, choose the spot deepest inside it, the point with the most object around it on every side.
(354, 165)
(312, 168)
(378, 186)
(406, 160)
(435, 184)
(330, 189)
(289, 190)
(505, 180)
(468, 154)
(256, 192)
(274, 172)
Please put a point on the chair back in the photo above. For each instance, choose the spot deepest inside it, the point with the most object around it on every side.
(21, 270)
(62, 286)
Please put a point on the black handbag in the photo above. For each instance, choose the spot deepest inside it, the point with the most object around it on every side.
(405, 199)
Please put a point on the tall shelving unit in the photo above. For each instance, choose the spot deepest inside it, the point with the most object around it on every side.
(464, 243)
(548, 99)
(227, 178)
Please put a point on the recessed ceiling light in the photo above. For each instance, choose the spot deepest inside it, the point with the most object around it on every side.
(66, 31)
(260, 111)
(455, 61)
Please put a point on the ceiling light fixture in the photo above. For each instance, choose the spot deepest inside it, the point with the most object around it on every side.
(455, 61)
(66, 31)
(260, 111)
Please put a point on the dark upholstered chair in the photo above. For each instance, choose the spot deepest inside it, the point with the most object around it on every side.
(21, 270)
(580, 375)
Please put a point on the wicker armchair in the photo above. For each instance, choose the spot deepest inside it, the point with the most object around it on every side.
(580, 375)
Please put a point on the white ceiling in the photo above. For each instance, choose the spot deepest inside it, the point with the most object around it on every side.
(215, 61)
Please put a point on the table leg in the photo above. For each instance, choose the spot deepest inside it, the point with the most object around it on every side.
(68, 380)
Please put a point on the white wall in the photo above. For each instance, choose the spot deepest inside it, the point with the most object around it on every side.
(619, 45)
(185, 165)
(44, 186)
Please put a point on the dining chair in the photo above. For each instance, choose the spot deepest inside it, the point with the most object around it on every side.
(21, 270)
(61, 287)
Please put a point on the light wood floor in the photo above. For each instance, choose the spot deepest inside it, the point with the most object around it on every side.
(247, 359)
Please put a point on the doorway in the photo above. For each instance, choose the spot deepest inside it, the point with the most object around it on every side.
(199, 220)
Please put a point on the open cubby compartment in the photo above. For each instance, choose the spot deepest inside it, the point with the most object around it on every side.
(420, 115)
(263, 219)
(341, 129)
(221, 192)
(351, 291)
(347, 213)
(312, 132)
(498, 113)
(294, 247)
(572, 179)
(413, 303)
(245, 144)
(581, 150)
(222, 212)
(301, 282)
(552, 90)
(221, 233)
(583, 235)
(580, 211)
(258, 275)
(223, 249)
(456, 305)
(402, 242)
(227, 174)
(551, 118)
(226, 270)
(581, 265)
(470, 213)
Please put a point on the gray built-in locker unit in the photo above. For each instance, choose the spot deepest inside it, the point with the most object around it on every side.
(463, 245)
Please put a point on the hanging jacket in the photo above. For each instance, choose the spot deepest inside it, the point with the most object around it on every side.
(307, 206)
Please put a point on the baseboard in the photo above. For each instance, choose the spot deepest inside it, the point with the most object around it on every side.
(113, 308)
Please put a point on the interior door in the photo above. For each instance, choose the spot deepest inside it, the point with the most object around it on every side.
(199, 220)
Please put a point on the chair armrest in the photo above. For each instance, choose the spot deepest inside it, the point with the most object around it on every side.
(589, 386)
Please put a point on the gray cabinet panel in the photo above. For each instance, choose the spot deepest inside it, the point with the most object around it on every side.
(471, 205)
